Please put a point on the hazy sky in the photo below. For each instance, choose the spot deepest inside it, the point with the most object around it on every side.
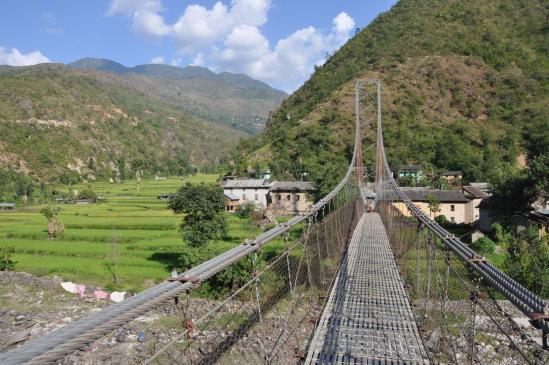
(276, 41)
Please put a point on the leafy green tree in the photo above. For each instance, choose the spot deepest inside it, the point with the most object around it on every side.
(6, 263)
(203, 208)
(434, 205)
(55, 227)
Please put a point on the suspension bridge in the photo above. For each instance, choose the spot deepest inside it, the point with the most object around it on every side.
(353, 281)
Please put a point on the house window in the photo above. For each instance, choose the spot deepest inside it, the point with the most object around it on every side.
(243, 196)
(297, 197)
(288, 197)
(453, 220)
(278, 197)
(452, 208)
(256, 196)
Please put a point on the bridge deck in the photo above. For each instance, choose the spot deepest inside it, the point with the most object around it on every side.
(368, 318)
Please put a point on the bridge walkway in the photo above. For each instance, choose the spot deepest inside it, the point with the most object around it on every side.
(368, 318)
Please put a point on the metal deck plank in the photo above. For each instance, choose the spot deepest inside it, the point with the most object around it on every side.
(368, 318)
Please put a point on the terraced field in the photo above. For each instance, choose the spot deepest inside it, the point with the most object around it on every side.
(146, 231)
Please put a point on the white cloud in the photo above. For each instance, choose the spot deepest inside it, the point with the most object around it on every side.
(157, 60)
(343, 24)
(228, 38)
(292, 59)
(16, 58)
(144, 15)
(198, 60)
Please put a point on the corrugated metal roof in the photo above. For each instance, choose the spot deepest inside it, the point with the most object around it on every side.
(7, 205)
(444, 196)
(246, 184)
(474, 192)
(231, 196)
(292, 186)
(452, 173)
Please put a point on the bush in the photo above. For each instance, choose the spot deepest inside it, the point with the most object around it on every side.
(442, 220)
(88, 194)
(6, 263)
(247, 210)
(234, 276)
(483, 246)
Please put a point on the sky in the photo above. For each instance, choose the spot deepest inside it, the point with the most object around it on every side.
(275, 41)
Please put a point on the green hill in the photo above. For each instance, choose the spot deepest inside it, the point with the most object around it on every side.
(464, 87)
(58, 123)
(234, 100)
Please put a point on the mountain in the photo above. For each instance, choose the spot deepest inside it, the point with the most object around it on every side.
(57, 123)
(464, 87)
(230, 99)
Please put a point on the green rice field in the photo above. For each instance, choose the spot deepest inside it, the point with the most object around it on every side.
(146, 232)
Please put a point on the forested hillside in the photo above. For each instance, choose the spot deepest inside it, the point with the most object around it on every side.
(60, 124)
(464, 87)
(234, 100)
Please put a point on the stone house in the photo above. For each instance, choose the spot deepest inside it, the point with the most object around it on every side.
(290, 197)
(231, 202)
(453, 204)
(474, 196)
(453, 177)
(7, 206)
(246, 190)
(538, 219)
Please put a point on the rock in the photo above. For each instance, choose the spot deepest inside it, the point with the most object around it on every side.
(18, 338)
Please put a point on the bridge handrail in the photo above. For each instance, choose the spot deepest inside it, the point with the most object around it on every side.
(527, 302)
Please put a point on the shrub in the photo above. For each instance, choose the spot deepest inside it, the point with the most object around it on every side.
(247, 210)
(484, 245)
(6, 263)
(442, 220)
(88, 194)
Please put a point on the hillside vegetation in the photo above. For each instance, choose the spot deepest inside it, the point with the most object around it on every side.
(464, 87)
(60, 124)
(234, 100)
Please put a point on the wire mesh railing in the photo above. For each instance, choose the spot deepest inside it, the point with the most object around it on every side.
(464, 306)
(270, 318)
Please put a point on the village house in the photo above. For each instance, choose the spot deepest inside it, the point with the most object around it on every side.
(413, 171)
(474, 196)
(291, 197)
(486, 188)
(453, 177)
(538, 219)
(240, 191)
(453, 204)
(7, 206)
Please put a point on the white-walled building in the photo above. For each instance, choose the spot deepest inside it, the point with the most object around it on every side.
(254, 190)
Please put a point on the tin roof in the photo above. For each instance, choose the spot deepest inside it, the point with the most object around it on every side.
(474, 192)
(231, 196)
(246, 184)
(293, 186)
(7, 205)
(444, 196)
(452, 173)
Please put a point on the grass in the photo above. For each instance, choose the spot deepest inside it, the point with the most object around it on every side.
(146, 231)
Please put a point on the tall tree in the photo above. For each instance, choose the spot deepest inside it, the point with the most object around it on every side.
(202, 206)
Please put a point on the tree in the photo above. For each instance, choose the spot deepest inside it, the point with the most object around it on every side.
(55, 227)
(6, 263)
(434, 205)
(114, 259)
(202, 206)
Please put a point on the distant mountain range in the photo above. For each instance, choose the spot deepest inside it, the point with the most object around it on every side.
(97, 118)
(235, 100)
